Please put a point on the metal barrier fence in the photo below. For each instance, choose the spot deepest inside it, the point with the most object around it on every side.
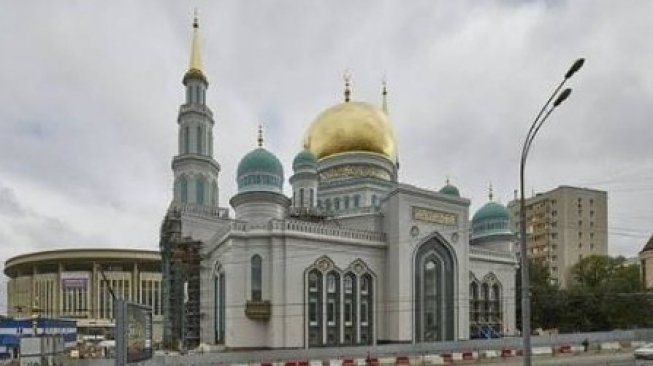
(392, 350)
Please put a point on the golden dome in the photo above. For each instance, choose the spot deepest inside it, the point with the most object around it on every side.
(349, 127)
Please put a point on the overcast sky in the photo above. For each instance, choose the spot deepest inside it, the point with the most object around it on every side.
(89, 94)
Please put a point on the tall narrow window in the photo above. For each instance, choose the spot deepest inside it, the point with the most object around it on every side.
(301, 197)
(357, 200)
(430, 304)
(214, 194)
(257, 278)
(346, 202)
(312, 198)
(336, 203)
(333, 308)
(375, 200)
(186, 133)
(350, 297)
(199, 190)
(366, 310)
(199, 139)
(315, 329)
(183, 189)
(219, 307)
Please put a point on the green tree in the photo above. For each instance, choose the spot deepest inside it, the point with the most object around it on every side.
(606, 294)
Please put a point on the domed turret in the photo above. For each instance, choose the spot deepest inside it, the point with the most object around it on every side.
(304, 180)
(305, 159)
(450, 189)
(491, 222)
(260, 186)
(260, 170)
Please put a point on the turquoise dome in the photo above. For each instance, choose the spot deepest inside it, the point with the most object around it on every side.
(491, 211)
(450, 190)
(304, 158)
(490, 220)
(260, 170)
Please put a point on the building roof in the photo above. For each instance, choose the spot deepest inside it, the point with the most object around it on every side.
(649, 246)
(81, 255)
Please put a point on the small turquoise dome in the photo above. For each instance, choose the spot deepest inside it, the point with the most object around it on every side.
(304, 159)
(491, 211)
(260, 170)
(491, 219)
(450, 190)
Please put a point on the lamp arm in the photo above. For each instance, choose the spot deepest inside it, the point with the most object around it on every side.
(530, 133)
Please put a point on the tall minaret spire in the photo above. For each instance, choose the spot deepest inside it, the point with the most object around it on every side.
(384, 95)
(195, 52)
(347, 77)
(195, 170)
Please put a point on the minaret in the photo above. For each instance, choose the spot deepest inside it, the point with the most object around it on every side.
(195, 170)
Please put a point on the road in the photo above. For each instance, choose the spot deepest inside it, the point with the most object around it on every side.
(594, 359)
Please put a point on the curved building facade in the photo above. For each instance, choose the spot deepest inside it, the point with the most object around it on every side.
(68, 284)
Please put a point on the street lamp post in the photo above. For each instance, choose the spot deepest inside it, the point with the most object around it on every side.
(525, 279)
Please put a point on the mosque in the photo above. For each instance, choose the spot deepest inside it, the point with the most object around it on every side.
(353, 257)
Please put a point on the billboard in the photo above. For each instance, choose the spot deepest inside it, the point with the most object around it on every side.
(74, 280)
(133, 332)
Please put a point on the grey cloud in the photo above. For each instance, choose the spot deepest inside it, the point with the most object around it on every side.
(90, 93)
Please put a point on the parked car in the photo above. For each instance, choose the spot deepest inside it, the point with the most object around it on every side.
(644, 352)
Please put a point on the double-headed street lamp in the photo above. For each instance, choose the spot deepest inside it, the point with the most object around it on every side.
(525, 279)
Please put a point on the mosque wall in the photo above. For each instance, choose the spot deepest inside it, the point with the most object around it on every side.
(411, 218)
(505, 272)
(285, 262)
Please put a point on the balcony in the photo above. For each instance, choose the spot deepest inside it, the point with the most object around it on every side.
(258, 310)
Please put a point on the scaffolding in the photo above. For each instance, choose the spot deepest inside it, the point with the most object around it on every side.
(181, 285)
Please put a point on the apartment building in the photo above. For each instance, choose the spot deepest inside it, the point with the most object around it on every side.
(563, 226)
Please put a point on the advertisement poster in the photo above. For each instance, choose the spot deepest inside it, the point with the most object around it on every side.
(133, 332)
(139, 332)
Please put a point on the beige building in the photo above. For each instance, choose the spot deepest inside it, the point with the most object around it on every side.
(68, 284)
(564, 225)
(646, 263)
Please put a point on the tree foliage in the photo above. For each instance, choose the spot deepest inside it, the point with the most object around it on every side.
(605, 293)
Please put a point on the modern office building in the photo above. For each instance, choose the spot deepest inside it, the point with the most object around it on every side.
(68, 284)
(564, 225)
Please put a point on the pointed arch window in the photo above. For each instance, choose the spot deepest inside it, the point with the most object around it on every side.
(315, 326)
(257, 278)
(332, 308)
(350, 306)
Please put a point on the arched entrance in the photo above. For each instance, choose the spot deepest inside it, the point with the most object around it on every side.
(435, 273)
